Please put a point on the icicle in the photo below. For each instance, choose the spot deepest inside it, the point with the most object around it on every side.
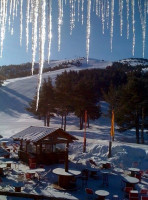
(127, 15)
(103, 15)
(112, 24)
(34, 31)
(27, 24)
(42, 7)
(78, 10)
(97, 7)
(10, 11)
(14, 6)
(121, 15)
(60, 22)
(3, 17)
(21, 21)
(133, 23)
(88, 28)
(49, 28)
(143, 24)
(107, 13)
(82, 10)
(94, 5)
(72, 16)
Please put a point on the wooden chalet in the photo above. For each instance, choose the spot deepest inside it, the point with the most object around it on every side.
(44, 145)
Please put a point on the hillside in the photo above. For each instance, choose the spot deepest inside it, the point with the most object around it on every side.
(15, 95)
(23, 70)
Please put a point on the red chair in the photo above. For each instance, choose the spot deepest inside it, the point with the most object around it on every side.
(127, 190)
(32, 165)
(28, 176)
(133, 195)
(144, 198)
(144, 191)
(138, 175)
(108, 166)
(89, 192)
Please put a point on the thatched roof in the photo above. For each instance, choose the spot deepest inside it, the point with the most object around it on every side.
(35, 134)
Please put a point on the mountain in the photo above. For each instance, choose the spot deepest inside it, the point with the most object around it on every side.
(134, 62)
(23, 70)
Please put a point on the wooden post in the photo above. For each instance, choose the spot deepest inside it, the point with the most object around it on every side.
(84, 145)
(110, 147)
(66, 159)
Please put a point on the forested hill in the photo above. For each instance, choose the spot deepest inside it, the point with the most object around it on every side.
(23, 70)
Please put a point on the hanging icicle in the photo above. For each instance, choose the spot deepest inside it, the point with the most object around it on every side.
(59, 23)
(88, 28)
(21, 21)
(97, 7)
(49, 29)
(103, 15)
(78, 10)
(72, 16)
(127, 17)
(82, 10)
(133, 24)
(121, 15)
(42, 19)
(27, 24)
(34, 30)
(107, 13)
(143, 24)
(3, 19)
(112, 24)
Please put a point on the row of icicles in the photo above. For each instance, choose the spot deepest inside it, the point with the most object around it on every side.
(39, 13)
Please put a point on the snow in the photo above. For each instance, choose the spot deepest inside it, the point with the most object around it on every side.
(134, 61)
(14, 97)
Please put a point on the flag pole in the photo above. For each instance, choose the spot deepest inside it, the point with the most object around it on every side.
(84, 145)
(112, 132)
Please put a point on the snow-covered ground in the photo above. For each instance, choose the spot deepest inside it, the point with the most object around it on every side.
(14, 97)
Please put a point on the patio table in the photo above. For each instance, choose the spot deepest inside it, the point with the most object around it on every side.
(118, 170)
(101, 194)
(64, 178)
(133, 171)
(130, 181)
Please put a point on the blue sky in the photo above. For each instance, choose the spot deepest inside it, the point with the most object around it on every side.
(73, 46)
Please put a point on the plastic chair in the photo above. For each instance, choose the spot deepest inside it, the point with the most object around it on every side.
(143, 191)
(138, 175)
(144, 198)
(133, 195)
(127, 191)
(32, 165)
(89, 193)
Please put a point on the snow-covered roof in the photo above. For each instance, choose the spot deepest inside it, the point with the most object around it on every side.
(35, 133)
